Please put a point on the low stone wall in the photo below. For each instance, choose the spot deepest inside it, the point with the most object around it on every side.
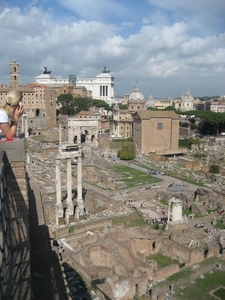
(165, 272)
(63, 231)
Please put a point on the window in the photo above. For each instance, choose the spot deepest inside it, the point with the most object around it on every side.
(159, 126)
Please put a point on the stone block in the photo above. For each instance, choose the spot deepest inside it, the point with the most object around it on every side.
(14, 150)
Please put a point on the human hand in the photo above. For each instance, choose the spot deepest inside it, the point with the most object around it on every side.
(18, 111)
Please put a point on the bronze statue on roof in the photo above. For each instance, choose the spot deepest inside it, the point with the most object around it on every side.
(46, 71)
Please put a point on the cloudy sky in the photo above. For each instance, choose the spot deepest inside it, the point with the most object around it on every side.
(165, 46)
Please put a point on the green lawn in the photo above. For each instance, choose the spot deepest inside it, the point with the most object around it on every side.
(201, 288)
(132, 177)
(132, 220)
(162, 260)
(198, 289)
(220, 293)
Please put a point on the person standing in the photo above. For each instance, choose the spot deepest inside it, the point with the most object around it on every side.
(10, 112)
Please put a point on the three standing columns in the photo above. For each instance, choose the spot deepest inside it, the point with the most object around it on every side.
(67, 209)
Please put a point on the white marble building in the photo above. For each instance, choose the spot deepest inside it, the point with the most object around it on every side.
(100, 87)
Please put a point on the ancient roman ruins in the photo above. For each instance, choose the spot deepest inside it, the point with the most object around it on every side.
(115, 259)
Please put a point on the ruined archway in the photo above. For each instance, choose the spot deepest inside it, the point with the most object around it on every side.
(84, 129)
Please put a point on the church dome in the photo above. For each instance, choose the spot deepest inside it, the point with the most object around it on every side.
(187, 97)
(136, 95)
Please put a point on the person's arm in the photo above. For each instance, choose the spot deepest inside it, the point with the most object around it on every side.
(9, 131)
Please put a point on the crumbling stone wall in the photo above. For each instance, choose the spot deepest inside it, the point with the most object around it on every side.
(193, 165)
(187, 255)
(100, 256)
(165, 272)
(61, 232)
(92, 174)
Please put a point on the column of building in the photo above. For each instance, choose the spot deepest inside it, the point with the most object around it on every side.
(69, 200)
(79, 186)
(104, 90)
(59, 205)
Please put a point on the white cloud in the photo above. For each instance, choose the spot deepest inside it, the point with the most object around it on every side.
(204, 17)
(95, 10)
(163, 59)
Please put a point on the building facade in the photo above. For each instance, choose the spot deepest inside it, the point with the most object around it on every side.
(122, 123)
(218, 105)
(123, 118)
(100, 87)
(155, 131)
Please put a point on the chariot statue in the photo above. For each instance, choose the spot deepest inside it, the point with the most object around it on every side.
(46, 71)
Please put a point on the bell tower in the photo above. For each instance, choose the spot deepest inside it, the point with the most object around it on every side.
(14, 74)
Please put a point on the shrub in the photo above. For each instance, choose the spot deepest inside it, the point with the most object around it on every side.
(127, 151)
(215, 169)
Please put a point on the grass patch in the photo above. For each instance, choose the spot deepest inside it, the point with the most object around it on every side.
(220, 293)
(71, 230)
(163, 202)
(162, 260)
(132, 177)
(132, 220)
(220, 224)
(209, 211)
(201, 288)
(183, 178)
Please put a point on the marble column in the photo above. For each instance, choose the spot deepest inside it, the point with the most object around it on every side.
(58, 182)
(79, 186)
(69, 180)
(69, 209)
(60, 134)
(59, 204)
(168, 219)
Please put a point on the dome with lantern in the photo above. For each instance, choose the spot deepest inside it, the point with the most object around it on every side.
(136, 100)
(136, 95)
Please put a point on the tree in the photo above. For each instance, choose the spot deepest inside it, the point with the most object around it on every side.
(127, 151)
(81, 104)
(215, 169)
(186, 125)
(193, 126)
(211, 121)
(123, 106)
(100, 103)
(67, 104)
(170, 108)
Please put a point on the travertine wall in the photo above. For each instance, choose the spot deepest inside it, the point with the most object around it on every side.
(14, 227)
